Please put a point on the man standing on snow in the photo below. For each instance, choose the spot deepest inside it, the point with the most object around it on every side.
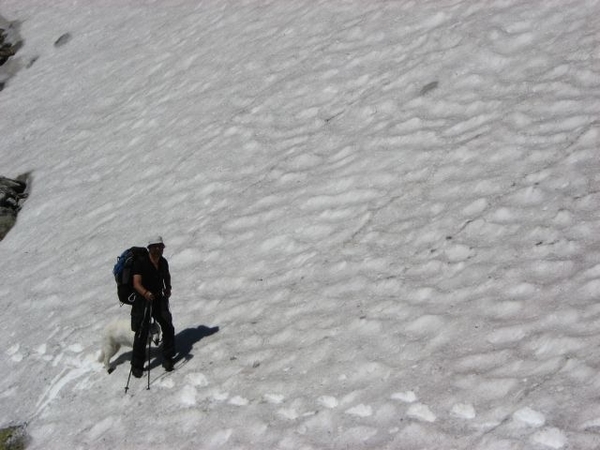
(152, 281)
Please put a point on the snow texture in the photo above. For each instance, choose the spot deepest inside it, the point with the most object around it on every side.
(388, 208)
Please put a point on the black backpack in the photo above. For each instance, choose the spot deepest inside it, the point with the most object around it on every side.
(123, 273)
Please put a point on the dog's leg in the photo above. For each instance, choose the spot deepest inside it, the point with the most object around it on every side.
(109, 352)
(106, 355)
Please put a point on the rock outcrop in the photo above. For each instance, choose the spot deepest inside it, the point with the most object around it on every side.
(10, 43)
(12, 194)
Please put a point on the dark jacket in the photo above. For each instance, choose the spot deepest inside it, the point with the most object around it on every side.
(156, 281)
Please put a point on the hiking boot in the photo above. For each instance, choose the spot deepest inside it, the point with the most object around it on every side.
(168, 364)
(137, 372)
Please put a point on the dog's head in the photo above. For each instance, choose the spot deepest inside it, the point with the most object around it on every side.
(155, 333)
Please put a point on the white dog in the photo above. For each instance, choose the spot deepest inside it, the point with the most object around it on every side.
(118, 333)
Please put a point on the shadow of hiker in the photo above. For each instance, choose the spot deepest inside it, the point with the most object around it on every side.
(185, 341)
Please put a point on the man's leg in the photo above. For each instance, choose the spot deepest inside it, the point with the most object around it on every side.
(140, 323)
(165, 320)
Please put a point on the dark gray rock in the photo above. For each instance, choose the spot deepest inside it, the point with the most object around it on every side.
(10, 43)
(12, 194)
(429, 87)
(62, 40)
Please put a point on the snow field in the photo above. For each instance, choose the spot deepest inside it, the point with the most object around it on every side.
(388, 209)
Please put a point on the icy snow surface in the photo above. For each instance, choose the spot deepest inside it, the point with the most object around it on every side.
(390, 209)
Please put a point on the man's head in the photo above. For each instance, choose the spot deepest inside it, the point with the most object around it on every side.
(155, 240)
(156, 245)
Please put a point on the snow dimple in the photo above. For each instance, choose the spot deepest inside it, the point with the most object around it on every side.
(360, 410)
(13, 350)
(188, 257)
(219, 438)
(550, 437)
(529, 417)
(428, 324)
(408, 396)
(321, 202)
(274, 398)
(421, 412)
(328, 401)
(464, 411)
(188, 395)
(238, 401)
(197, 379)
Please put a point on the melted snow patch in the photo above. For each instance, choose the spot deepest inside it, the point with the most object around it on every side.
(464, 411)
(360, 411)
(422, 412)
(407, 397)
(197, 379)
(274, 398)
(550, 437)
(328, 401)
(529, 417)
(238, 401)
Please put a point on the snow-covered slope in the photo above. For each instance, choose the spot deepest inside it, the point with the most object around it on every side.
(389, 209)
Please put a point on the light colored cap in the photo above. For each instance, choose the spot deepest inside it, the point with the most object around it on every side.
(155, 240)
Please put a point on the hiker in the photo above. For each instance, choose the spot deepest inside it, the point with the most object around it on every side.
(152, 282)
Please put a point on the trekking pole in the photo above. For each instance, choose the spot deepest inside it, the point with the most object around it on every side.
(149, 347)
(128, 378)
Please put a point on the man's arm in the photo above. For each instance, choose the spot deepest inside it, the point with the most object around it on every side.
(167, 279)
(139, 287)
